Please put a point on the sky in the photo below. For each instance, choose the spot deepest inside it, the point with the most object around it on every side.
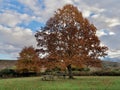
(20, 19)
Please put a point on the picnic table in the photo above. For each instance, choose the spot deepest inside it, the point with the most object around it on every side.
(47, 77)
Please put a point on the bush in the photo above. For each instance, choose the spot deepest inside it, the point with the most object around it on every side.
(7, 73)
(26, 74)
(106, 73)
(56, 69)
(81, 69)
(97, 73)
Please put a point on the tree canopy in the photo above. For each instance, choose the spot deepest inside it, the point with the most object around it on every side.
(28, 60)
(69, 39)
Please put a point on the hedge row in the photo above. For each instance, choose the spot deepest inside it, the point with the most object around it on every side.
(97, 73)
(8, 73)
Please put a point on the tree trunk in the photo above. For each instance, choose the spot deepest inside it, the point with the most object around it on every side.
(70, 71)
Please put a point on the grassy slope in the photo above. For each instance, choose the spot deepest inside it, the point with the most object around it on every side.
(80, 83)
(7, 64)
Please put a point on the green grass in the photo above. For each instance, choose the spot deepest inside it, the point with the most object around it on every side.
(80, 83)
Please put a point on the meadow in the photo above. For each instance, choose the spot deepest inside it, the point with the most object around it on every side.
(80, 83)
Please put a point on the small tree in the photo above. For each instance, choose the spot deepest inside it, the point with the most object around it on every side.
(28, 60)
(69, 39)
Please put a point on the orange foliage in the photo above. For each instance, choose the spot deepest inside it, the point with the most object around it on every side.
(28, 60)
(69, 39)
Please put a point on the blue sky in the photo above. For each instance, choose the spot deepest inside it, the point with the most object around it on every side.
(20, 19)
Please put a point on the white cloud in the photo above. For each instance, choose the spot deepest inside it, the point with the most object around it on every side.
(112, 22)
(104, 32)
(86, 13)
(111, 33)
(9, 19)
(12, 18)
(12, 40)
(30, 4)
(9, 51)
(16, 36)
(114, 53)
(100, 33)
(100, 13)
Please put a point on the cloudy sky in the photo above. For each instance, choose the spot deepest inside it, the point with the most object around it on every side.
(20, 19)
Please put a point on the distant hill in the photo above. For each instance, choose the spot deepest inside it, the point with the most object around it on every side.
(111, 65)
(7, 64)
(11, 64)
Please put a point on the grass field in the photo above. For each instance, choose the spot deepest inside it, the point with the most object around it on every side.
(80, 83)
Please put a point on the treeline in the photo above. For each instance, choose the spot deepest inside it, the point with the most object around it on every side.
(97, 73)
(11, 73)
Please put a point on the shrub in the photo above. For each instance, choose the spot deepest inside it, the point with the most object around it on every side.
(7, 73)
(106, 73)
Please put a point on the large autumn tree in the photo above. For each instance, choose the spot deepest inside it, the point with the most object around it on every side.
(69, 39)
(28, 60)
